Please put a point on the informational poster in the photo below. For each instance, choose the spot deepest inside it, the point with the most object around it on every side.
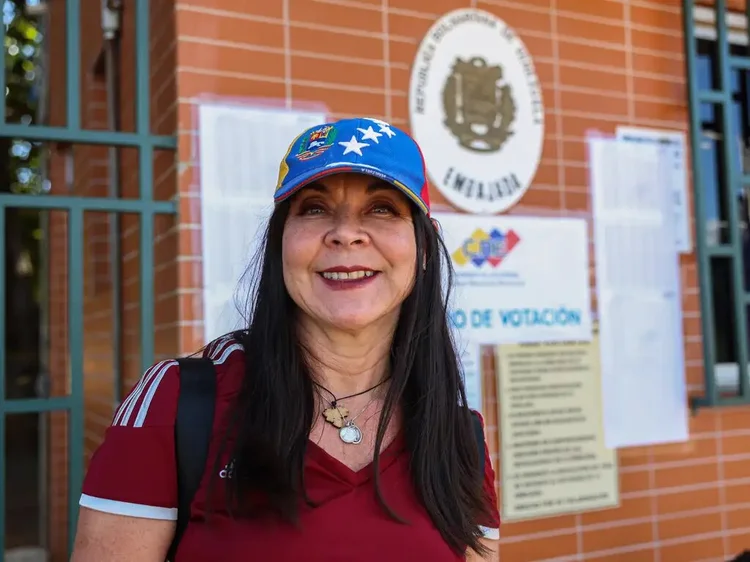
(553, 455)
(674, 153)
(518, 279)
(639, 294)
(241, 148)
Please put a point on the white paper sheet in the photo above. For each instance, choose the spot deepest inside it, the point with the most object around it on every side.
(241, 148)
(675, 154)
(639, 296)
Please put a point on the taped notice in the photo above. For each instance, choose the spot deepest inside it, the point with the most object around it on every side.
(552, 450)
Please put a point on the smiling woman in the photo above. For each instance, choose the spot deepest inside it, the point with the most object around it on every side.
(349, 250)
(341, 429)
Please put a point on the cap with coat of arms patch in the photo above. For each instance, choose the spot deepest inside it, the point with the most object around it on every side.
(361, 145)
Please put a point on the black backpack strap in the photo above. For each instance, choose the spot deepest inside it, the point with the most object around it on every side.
(192, 435)
(479, 436)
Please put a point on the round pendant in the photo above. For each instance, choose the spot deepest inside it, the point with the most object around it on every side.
(350, 434)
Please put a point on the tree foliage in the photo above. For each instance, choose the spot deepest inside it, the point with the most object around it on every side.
(21, 172)
(23, 39)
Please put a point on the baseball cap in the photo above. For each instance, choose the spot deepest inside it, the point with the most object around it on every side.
(362, 145)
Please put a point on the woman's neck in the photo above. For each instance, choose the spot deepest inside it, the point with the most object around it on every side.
(347, 363)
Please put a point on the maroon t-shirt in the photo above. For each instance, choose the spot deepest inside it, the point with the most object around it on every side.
(133, 473)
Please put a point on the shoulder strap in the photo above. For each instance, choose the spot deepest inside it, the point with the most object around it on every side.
(479, 436)
(192, 435)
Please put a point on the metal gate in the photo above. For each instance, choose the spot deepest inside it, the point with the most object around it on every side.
(717, 64)
(144, 206)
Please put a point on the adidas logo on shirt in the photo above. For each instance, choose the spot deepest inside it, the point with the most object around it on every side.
(227, 471)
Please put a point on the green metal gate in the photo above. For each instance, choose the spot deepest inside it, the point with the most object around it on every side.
(717, 64)
(145, 207)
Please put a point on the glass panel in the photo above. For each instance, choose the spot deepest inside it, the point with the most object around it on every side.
(709, 175)
(102, 339)
(713, 177)
(36, 487)
(741, 149)
(744, 210)
(36, 55)
(706, 68)
(723, 306)
(709, 119)
(26, 68)
(35, 308)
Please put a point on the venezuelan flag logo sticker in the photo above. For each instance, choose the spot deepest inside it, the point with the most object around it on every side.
(486, 247)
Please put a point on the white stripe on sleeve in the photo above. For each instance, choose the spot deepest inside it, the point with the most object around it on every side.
(491, 534)
(128, 509)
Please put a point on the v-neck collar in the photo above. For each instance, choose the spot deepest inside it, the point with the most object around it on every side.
(356, 477)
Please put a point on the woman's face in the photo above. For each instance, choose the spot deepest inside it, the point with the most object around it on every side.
(349, 251)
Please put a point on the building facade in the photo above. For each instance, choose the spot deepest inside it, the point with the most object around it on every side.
(600, 65)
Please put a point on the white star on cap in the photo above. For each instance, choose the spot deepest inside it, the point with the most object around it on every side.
(353, 146)
(384, 127)
(388, 131)
(369, 133)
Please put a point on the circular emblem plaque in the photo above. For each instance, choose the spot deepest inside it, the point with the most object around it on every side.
(476, 109)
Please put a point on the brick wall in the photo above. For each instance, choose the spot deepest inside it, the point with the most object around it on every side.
(601, 64)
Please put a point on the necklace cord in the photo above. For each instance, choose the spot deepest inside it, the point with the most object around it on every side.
(336, 400)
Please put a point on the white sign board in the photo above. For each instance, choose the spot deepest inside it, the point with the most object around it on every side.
(639, 295)
(518, 279)
(476, 110)
(241, 148)
(675, 153)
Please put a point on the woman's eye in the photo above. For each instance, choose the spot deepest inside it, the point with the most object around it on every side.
(312, 209)
(383, 210)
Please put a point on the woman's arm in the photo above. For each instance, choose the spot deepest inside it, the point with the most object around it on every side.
(119, 538)
(128, 504)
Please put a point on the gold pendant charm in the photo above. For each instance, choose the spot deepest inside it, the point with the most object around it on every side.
(336, 416)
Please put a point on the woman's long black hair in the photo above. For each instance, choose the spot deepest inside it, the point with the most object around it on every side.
(269, 425)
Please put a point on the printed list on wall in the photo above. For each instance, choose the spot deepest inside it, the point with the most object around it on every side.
(638, 290)
(672, 145)
(553, 456)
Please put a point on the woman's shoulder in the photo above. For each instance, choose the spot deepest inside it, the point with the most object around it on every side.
(228, 357)
(133, 471)
(225, 351)
(152, 401)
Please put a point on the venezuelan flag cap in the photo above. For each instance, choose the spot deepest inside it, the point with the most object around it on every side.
(362, 145)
